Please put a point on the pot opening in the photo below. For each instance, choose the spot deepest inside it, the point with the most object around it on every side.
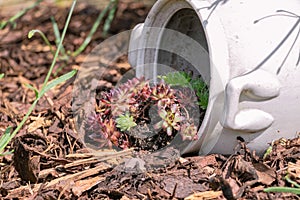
(185, 54)
(186, 21)
(190, 56)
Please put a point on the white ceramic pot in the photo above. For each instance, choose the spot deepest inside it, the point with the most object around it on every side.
(249, 55)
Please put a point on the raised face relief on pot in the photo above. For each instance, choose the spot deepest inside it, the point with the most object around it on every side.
(248, 52)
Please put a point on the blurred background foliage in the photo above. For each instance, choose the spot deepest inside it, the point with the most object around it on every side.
(7, 6)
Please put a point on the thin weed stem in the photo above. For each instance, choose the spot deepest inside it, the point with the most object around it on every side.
(12, 20)
(94, 28)
(42, 91)
(32, 32)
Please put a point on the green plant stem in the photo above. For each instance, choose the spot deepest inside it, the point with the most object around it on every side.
(110, 18)
(93, 30)
(47, 77)
(19, 14)
(292, 182)
(283, 189)
(44, 38)
(59, 45)
(57, 37)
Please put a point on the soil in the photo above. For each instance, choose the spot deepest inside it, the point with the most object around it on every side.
(51, 162)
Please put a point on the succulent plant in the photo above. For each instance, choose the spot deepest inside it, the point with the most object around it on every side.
(130, 105)
(188, 131)
(125, 122)
(163, 95)
(115, 102)
(121, 98)
(187, 98)
(110, 132)
(170, 119)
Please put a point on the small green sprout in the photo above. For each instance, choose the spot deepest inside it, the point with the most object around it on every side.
(31, 34)
(268, 151)
(125, 122)
(1, 75)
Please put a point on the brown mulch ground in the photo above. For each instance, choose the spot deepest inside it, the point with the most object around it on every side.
(51, 162)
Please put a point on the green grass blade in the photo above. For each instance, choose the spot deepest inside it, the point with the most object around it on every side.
(33, 89)
(57, 81)
(6, 153)
(110, 18)
(57, 35)
(291, 181)
(5, 139)
(283, 189)
(31, 34)
(12, 20)
(268, 151)
(20, 125)
(93, 30)
(59, 45)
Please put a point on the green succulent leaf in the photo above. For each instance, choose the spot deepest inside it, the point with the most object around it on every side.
(125, 122)
(158, 125)
(169, 131)
(178, 118)
(162, 113)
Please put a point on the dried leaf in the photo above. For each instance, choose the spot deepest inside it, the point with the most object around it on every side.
(38, 123)
(266, 175)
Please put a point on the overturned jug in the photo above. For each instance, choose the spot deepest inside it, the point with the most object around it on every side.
(248, 52)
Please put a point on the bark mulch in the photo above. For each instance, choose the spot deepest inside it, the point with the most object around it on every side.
(50, 161)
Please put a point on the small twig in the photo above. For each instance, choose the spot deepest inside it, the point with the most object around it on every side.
(63, 190)
(174, 191)
(101, 154)
(149, 194)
